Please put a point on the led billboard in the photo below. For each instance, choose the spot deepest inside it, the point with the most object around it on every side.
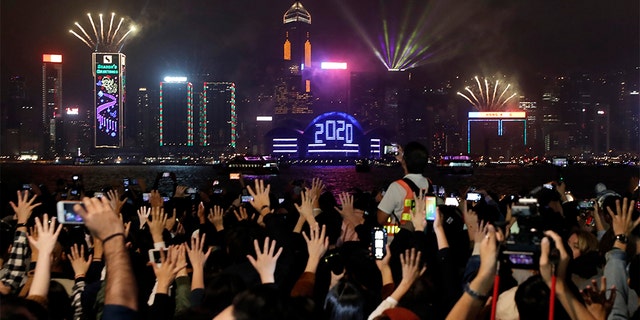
(109, 93)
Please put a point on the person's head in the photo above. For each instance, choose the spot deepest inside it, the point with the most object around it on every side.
(260, 302)
(581, 242)
(344, 301)
(532, 300)
(13, 307)
(416, 157)
(220, 291)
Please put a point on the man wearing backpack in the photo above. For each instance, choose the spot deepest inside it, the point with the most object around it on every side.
(397, 201)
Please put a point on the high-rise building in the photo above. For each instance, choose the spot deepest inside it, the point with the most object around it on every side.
(146, 125)
(217, 117)
(293, 86)
(51, 99)
(176, 116)
(109, 73)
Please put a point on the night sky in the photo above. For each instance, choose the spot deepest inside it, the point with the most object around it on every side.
(233, 40)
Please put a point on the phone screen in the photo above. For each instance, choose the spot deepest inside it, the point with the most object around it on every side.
(234, 176)
(66, 214)
(247, 198)
(166, 175)
(473, 196)
(379, 243)
(430, 206)
(145, 196)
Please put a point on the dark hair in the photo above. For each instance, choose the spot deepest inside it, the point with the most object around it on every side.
(13, 307)
(532, 300)
(344, 301)
(416, 157)
(220, 291)
(59, 303)
(261, 302)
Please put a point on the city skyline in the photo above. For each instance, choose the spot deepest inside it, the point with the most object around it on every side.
(232, 41)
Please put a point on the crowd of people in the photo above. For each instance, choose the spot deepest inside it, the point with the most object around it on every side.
(313, 255)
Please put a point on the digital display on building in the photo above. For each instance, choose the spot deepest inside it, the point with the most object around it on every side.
(333, 133)
(108, 75)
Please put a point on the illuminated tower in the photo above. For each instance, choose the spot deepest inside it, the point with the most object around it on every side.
(297, 43)
(51, 98)
(218, 118)
(176, 116)
(109, 93)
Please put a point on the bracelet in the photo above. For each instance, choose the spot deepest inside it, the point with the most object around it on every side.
(112, 236)
(474, 294)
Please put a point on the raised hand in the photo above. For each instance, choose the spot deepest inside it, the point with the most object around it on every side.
(114, 200)
(78, 263)
(155, 199)
(180, 192)
(201, 213)
(157, 223)
(317, 245)
(168, 269)
(198, 258)
(411, 269)
(241, 213)
(265, 260)
(215, 217)
(347, 212)
(546, 265)
(25, 206)
(99, 217)
(596, 299)
(317, 187)
(418, 215)
(143, 215)
(260, 195)
(621, 219)
(47, 235)
(306, 207)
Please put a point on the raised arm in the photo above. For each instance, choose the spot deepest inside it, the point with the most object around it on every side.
(104, 224)
(47, 237)
(265, 260)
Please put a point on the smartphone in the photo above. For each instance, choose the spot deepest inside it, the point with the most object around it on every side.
(75, 177)
(521, 260)
(280, 200)
(548, 186)
(125, 182)
(145, 196)
(247, 198)
(430, 207)
(166, 175)
(379, 237)
(216, 182)
(451, 201)
(519, 210)
(474, 196)
(217, 191)
(192, 190)
(66, 214)
(98, 194)
(234, 176)
(155, 255)
(26, 186)
(586, 204)
(165, 199)
(74, 192)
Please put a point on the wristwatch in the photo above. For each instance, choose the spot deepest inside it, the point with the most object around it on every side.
(622, 238)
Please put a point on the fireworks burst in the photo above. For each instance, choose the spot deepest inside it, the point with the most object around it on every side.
(484, 99)
(103, 40)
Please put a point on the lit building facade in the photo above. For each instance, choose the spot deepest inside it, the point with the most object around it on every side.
(497, 134)
(51, 99)
(109, 78)
(217, 117)
(176, 115)
(146, 126)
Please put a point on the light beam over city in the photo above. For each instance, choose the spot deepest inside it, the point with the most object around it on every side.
(484, 98)
(110, 40)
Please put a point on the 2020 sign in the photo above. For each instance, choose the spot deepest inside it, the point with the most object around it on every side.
(333, 130)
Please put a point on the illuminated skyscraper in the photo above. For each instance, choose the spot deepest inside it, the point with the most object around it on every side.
(176, 116)
(51, 98)
(146, 126)
(297, 42)
(109, 74)
(218, 118)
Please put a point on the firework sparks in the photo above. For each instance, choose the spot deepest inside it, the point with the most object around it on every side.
(484, 101)
(105, 39)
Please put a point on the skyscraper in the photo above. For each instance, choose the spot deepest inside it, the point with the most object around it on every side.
(217, 116)
(293, 88)
(176, 116)
(51, 99)
(146, 125)
(109, 88)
